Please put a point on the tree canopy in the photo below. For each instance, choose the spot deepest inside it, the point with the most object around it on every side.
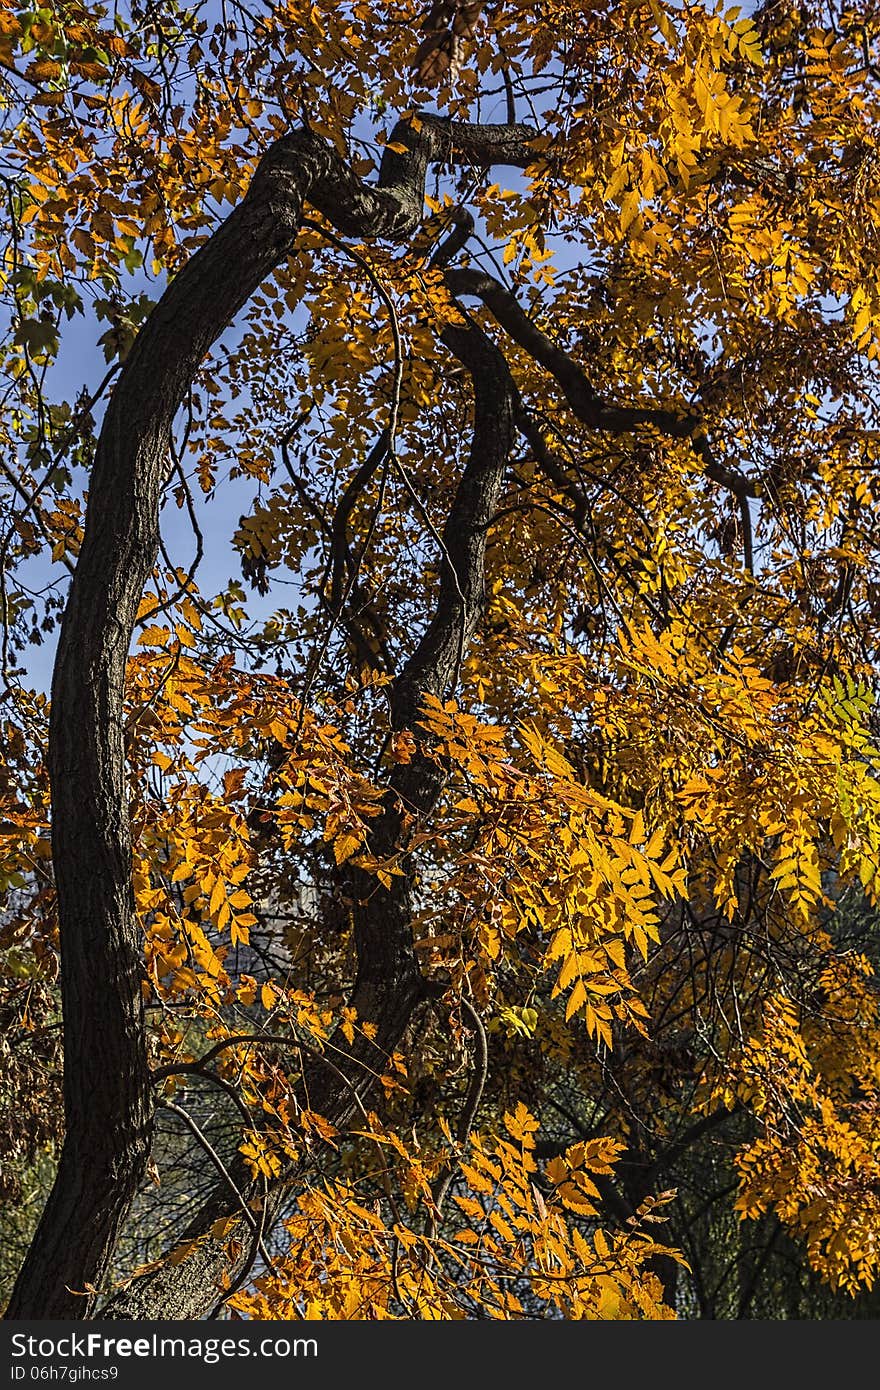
(440, 445)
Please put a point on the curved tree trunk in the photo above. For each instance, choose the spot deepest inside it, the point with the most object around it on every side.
(108, 1102)
(388, 984)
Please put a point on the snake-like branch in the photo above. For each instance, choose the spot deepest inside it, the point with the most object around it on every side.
(108, 1126)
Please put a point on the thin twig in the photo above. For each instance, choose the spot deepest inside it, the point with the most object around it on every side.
(472, 1101)
(221, 1169)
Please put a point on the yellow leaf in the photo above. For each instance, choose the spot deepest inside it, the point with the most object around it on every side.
(344, 846)
(154, 636)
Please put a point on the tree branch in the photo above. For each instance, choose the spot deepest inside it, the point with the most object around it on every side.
(108, 1127)
(580, 394)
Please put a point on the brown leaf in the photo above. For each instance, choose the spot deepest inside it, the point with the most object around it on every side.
(44, 70)
(434, 57)
(465, 21)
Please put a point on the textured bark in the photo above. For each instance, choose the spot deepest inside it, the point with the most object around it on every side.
(108, 1103)
(388, 984)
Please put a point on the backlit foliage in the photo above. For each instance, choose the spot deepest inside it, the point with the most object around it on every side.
(657, 758)
(344, 1262)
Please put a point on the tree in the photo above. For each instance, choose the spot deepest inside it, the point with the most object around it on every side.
(427, 901)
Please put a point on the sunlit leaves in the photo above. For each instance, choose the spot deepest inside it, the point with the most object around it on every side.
(816, 1159)
(655, 762)
(521, 1244)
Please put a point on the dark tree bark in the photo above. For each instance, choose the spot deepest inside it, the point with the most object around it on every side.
(389, 984)
(108, 1101)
